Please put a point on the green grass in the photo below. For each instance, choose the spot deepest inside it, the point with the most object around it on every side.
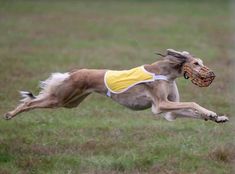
(40, 37)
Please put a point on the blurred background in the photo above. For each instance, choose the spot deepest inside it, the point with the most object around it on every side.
(100, 136)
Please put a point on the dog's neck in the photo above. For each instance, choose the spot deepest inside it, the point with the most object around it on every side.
(166, 68)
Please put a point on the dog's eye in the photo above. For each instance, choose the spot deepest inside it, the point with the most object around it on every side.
(196, 63)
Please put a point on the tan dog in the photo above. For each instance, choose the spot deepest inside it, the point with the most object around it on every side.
(70, 89)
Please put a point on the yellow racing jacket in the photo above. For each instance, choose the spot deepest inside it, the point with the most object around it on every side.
(120, 81)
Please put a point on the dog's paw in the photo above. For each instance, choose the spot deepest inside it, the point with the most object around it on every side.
(7, 116)
(221, 119)
(211, 115)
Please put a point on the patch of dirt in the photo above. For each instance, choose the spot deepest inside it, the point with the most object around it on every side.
(43, 150)
(161, 169)
(2, 171)
(223, 153)
(90, 145)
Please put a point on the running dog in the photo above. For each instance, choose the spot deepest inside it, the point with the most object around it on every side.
(148, 86)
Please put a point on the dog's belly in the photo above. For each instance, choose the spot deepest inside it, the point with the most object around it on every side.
(135, 98)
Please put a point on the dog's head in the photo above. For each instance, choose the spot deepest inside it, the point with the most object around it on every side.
(191, 67)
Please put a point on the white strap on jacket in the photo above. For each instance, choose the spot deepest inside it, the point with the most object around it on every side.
(108, 93)
(160, 77)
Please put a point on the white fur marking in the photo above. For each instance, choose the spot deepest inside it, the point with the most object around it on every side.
(200, 62)
(185, 53)
(50, 84)
(24, 95)
(169, 117)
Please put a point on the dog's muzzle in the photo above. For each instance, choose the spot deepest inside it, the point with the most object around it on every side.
(202, 77)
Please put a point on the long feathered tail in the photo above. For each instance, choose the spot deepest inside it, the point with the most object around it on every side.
(48, 86)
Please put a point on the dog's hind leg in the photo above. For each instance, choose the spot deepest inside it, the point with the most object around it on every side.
(47, 102)
(75, 101)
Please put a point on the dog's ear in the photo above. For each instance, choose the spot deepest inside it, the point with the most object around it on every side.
(176, 56)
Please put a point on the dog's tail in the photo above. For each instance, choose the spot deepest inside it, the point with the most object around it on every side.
(26, 95)
(50, 85)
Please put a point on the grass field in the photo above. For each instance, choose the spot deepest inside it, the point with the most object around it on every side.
(100, 136)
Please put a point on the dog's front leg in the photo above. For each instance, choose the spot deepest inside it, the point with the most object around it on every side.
(190, 109)
(182, 113)
(189, 113)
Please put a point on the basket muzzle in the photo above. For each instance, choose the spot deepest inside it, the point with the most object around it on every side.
(201, 77)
